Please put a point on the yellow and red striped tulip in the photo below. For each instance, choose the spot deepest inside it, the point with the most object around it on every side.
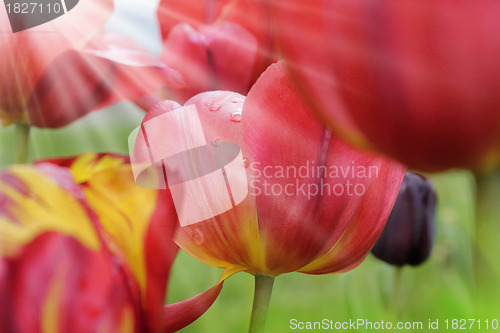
(83, 249)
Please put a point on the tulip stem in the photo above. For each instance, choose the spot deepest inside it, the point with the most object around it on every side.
(262, 297)
(396, 293)
(22, 142)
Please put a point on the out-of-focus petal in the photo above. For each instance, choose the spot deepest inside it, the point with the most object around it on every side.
(33, 202)
(110, 68)
(408, 237)
(311, 210)
(186, 50)
(181, 314)
(192, 12)
(27, 54)
(75, 289)
(55, 268)
(211, 57)
(233, 52)
(139, 224)
(228, 43)
(418, 83)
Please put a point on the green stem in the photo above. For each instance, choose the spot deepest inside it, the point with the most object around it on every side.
(486, 246)
(262, 296)
(396, 293)
(22, 143)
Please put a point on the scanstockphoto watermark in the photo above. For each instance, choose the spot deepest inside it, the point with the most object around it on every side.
(357, 325)
(311, 180)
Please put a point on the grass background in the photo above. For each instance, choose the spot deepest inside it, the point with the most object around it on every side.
(461, 279)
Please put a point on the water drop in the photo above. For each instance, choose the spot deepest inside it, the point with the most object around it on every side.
(198, 237)
(236, 117)
(238, 100)
(246, 162)
(216, 142)
(214, 107)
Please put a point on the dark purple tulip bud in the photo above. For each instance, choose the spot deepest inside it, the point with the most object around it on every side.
(408, 236)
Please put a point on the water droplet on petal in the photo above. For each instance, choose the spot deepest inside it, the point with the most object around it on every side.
(238, 100)
(198, 237)
(236, 116)
(246, 162)
(213, 106)
(216, 142)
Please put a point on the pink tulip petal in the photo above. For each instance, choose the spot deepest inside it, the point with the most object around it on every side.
(233, 53)
(185, 51)
(27, 54)
(109, 69)
(230, 239)
(237, 40)
(192, 12)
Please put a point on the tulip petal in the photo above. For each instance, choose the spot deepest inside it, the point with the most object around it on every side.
(185, 50)
(110, 68)
(138, 223)
(27, 54)
(193, 12)
(76, 289)
(48, 231)
(230, 239)
(181, 314)
(218, 57)
(365, 227)
(234, 51)
(32, 200)
(314, 66)
(218, 45)
(418, 83)
(303, 214)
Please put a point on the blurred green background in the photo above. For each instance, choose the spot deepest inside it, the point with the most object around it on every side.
(460, 281)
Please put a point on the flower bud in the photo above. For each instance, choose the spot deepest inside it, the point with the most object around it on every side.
(408, 236)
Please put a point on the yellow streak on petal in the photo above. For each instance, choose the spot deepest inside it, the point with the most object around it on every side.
(230, 271)
(48, 207)
(52, 306)
(127, 323)
(124, 209)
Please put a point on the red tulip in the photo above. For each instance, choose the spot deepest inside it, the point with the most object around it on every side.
(57, 72)
(222, 45)
(328, 224)
(83, 249)
(419, 79)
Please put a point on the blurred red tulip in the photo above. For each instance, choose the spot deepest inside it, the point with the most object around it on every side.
(216, 45)
(420, 79)
(85, 250)
(57, 72)
(324, 226)
(110, 68)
